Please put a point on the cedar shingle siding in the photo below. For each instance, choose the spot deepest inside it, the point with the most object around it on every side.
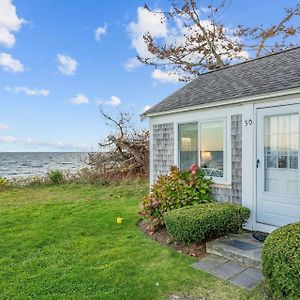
(163, 148)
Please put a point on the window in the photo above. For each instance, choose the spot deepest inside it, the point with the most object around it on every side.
(203, 143)
(188, 145)
(281, 141)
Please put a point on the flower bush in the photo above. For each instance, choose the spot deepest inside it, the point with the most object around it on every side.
(175, 190)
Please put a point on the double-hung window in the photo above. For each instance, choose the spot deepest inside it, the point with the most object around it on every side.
(203, 143)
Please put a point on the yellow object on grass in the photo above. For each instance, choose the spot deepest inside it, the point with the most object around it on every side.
(120, 220)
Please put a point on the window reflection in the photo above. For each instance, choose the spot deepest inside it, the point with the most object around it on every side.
(212, 148)
(188, 145)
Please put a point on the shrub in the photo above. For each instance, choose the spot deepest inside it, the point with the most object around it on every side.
(281, 262)
(194, 224)
(178, 189)
(56, 176)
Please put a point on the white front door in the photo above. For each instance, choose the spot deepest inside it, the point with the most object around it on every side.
(278, 188)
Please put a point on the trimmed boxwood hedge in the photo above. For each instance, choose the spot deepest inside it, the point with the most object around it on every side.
(195, 223)
(281, 262)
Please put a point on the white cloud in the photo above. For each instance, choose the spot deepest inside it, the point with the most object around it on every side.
(165, 77)
(3, 127)
(114, 101)
(80, 99)
(9, 64)
(8, 139)
(132, 64)
(27, 91)
(147, 107)
(100, 32)
(9, 23)
(146, 22)
(67, 65)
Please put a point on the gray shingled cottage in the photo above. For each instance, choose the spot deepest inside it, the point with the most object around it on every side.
(241, 124)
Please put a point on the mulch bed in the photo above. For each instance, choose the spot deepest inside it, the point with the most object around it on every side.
(163, 238)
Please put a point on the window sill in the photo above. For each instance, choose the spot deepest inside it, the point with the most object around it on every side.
(222, 185)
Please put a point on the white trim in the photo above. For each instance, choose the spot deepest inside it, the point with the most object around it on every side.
(248, 150)
(151, 170)
(176, 152)
(238, 100)
(195, 116)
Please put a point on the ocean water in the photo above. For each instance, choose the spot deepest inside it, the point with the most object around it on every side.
(23, 164)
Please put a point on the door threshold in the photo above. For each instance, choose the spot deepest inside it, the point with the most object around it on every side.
(265, 227)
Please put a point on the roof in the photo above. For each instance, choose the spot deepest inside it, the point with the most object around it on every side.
(272, 73)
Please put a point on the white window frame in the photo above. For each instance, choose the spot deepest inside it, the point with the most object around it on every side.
(223, 179)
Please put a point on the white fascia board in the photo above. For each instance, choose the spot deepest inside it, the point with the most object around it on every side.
(227, 102)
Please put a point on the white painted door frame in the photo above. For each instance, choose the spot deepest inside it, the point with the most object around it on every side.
(275, 109)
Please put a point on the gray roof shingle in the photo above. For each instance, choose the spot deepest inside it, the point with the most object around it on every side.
(267, 74)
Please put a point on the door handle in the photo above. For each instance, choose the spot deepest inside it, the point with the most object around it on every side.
(257, 163)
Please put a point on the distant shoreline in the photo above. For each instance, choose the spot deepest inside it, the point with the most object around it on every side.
(30, 164)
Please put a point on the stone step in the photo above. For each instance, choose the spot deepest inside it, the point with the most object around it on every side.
(241, 248)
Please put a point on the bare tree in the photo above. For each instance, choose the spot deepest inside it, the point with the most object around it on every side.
(126, 148)
(206, 43)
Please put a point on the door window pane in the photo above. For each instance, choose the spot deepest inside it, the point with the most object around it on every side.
(212, 148)
(294, 123)
(281, 152)
(283, 124)
(188, 145)
(272, 142)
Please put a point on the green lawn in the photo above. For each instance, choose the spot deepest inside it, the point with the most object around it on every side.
(63, 242)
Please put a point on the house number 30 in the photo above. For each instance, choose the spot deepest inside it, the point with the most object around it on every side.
(248, 122)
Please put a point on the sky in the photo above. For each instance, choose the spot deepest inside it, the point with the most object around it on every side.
(61, 59)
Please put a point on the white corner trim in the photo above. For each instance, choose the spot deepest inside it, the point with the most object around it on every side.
(151, 171)
(176, 143)
(248, 164)
(264, 96)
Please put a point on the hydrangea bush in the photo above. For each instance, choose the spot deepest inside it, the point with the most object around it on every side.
(175, 190)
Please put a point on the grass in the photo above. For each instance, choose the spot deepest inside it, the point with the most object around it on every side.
(62, 242)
